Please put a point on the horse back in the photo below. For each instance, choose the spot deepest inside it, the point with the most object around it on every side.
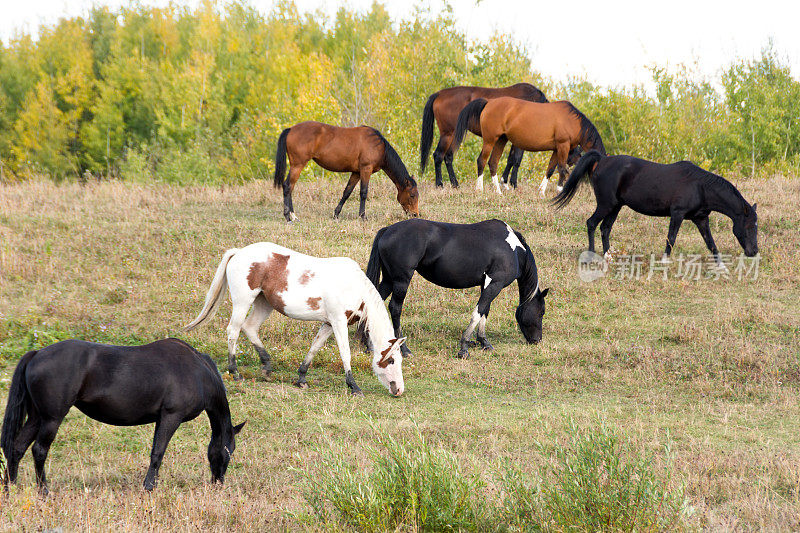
(120, 385)
(335, 148)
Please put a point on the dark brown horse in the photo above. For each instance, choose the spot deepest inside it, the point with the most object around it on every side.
(533, 127)
(361, 151)
(444, 107)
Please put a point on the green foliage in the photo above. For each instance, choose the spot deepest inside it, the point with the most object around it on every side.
(411, 486)
(212, 87)
(594, 483)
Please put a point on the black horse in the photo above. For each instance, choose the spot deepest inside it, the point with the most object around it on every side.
(458, 256)
(167, 382)
(679, 190)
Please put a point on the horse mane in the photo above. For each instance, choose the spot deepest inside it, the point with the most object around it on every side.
(710, 179)
(392, 164)
(589, 134)
(532, 93)
(528, 281)
(375, 315)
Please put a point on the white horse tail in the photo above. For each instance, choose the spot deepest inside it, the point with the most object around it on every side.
(215, 292)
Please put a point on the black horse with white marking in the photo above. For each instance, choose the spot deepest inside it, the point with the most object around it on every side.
(489, 254)
(167, 382)
(679, 190)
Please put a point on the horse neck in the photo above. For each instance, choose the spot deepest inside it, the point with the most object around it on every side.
(528, 281)
(723, 197)
(399, 182)
(219, 415)
(379, 326)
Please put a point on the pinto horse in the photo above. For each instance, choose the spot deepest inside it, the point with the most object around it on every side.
(167, 382)
(679, 190)
(333, 291)
(444, 107)
(361, 151)
(534, 127)
(488, 254)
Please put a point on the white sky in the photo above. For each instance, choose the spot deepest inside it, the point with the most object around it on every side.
(611, 41)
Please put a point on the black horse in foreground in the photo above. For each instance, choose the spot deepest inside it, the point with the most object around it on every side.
(679, 190)
(167, 382)
(488, 254)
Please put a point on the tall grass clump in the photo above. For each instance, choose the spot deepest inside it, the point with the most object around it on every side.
(594, 483)
(410, 486)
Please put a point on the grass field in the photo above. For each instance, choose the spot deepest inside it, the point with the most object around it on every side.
(709, 369)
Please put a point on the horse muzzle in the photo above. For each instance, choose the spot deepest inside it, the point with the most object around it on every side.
(395, 390)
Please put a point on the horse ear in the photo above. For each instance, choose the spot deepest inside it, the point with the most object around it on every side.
(238, 428)
(754, 206)
(544, 292)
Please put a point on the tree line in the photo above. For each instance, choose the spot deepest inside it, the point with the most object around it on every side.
(200, 95)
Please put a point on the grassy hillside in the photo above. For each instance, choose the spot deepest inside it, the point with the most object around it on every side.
(709, 369)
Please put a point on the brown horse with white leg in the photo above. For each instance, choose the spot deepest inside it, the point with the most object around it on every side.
(361, 151)
(534, 127)
(444, 106)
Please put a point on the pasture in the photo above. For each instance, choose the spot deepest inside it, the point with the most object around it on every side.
(708, 369)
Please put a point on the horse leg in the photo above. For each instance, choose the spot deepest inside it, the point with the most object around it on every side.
(705, 232)
(488, 293)
(348, 190)
(288, 187)
(600, 212)
(605, 228)
(22, 442)
(258, 314)
(339, 326)
(482, 158)
(399, 290)
(44, 438)
(438, 157)
(362, 195)
(562, 154)
(494, 159)
(240, 302)
(165, 428)
(515, 163)
(551, 166)
(675, 221)
(324, 332)
(451, 172)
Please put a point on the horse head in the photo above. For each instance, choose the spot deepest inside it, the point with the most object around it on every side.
(529, 316)
(387, 363)
(220, 451)
(408, 197)
(745, 228)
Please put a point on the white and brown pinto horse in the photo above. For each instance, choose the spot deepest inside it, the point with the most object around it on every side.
(334, 291)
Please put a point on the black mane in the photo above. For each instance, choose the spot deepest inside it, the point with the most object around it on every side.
(393, 165)
(590, 137)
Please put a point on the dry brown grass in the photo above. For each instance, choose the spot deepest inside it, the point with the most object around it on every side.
(713, 363)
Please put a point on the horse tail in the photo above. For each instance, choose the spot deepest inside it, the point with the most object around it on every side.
(426, 137)
(584, 167)
(472, 111)
(374, 266)
(16, 408)
(214, 294)
(280, 159)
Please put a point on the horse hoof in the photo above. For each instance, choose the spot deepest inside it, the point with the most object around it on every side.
(472, 344)
(301, 384)
(487, 347)
(463, 354)
(267, 375)
(236, 376)
(356, 393)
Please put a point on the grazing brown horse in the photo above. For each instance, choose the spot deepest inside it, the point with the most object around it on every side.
(361, 151)
(534, 127)
(444, 107)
